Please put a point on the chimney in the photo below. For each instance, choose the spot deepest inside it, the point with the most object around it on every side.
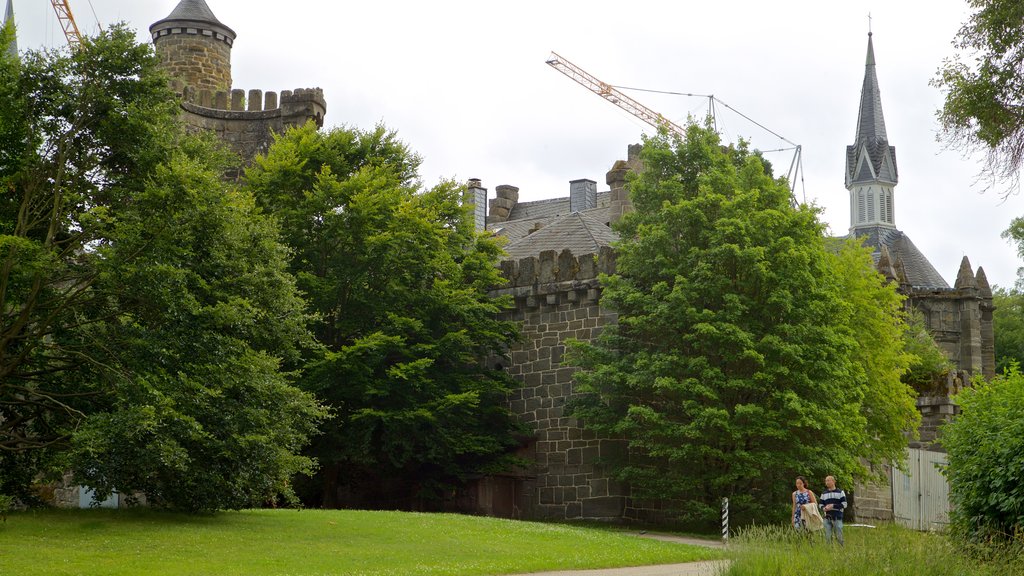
(582, 195)
(476, 195)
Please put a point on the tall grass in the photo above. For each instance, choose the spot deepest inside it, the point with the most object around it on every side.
(311, 542)
(887, 549)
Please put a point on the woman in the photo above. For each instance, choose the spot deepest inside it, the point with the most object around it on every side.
(801, 496)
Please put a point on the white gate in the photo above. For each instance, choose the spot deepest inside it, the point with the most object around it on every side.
(920, 496)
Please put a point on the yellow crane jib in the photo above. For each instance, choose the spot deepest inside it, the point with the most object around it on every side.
(67, 22)
(611, 94)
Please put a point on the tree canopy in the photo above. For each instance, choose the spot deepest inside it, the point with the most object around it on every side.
(747, 352)
(146, 308)
(398, 280)
(984, 97)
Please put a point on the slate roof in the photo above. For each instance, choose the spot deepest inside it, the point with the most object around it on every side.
(919, 271)
(871, 136)
(580, 232)
(12, 48)
(550, 208)
(192, 11)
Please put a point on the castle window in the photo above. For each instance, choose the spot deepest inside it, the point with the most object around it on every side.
(861, 210)
(882, 206)
(888, 203)
(871, 205)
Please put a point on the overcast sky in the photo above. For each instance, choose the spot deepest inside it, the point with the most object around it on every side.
(465, 84)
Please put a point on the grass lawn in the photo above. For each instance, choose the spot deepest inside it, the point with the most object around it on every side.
(311, 542)
(887, 549)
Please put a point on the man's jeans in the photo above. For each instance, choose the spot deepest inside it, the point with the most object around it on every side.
(833, 524)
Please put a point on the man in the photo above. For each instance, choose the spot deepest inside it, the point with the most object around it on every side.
(833, 501)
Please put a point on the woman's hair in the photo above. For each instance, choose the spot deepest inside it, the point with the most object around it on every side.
(802, 479)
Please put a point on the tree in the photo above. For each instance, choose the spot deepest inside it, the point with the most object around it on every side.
(1008, 325)
(929, 366)
(985, 444)
(399, 281)
(984, 104)
(746, 352)
(146, 307)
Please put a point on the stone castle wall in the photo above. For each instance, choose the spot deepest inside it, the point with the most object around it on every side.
(556, 299)
(247, 122)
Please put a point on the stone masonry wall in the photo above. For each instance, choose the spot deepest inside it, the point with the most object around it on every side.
(556, 298)
(247, 125)
(196, 60)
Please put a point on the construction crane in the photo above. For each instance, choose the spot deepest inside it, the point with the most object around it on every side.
(620, 99)
(612, 94)
(67, 22)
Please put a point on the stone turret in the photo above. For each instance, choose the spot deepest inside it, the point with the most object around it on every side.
(194, 46)
(195, 51)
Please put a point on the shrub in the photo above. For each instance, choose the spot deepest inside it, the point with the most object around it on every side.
(5, 506)
(986, 456)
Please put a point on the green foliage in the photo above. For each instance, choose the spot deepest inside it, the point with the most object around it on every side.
(147, 308)
(985, 443)
(314, 543)
(398, 280)
(929, 364)
(1008, 325)
(6, 502)
(746, 352)
(983, 98)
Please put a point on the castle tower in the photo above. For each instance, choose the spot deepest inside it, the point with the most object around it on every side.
(194, 46)
(871, 162)
(195, 51)
(12, 48)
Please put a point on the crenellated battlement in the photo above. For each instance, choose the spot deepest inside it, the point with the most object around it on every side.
(255, 100)
(195, 51)
(554, 278)
(246, 121)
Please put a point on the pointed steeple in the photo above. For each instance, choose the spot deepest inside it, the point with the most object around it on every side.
(870, 121)
(871, 162)
(12, 48)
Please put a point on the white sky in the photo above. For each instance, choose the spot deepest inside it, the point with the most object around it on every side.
(465, 85)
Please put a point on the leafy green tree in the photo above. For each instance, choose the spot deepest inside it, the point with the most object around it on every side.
(399, 281)
(746, 352)
(985, 443)
(984, 104)
(146, 308)
(929, 365)
(1008, 325)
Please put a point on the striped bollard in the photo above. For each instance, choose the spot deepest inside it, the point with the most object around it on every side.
(725, 520)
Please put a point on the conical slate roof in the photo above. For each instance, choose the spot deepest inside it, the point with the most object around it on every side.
(12, 48)
(194, 13)
(871, 143)
(918, 271)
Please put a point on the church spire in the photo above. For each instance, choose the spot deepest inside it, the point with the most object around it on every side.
(871, 162)
(12, 48)
(870, 121)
